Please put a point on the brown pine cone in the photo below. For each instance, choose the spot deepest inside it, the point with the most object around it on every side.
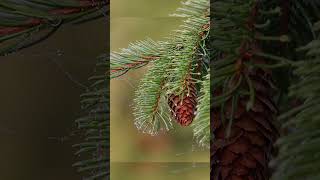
(244, 155)
(183, 110)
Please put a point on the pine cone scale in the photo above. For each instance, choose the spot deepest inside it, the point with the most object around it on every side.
(248, 161)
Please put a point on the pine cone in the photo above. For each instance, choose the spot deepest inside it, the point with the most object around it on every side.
(244, 155)
(183, 110)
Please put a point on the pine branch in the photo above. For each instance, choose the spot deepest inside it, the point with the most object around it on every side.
(243, 108)
(185, 55)
(135, 56)
(201, 125)
(169, 73)
(302, 16)
(141, 53)
(151, 111)
(299, 150)
(94, 125)
(175, 65)
(25, 23)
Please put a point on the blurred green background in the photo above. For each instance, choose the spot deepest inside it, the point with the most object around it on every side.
(173, 155)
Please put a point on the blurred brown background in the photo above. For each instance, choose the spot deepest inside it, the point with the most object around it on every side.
(39, 102)
(131, 151)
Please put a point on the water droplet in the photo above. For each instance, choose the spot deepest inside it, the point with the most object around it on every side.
(194, 164)
(59, 52)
